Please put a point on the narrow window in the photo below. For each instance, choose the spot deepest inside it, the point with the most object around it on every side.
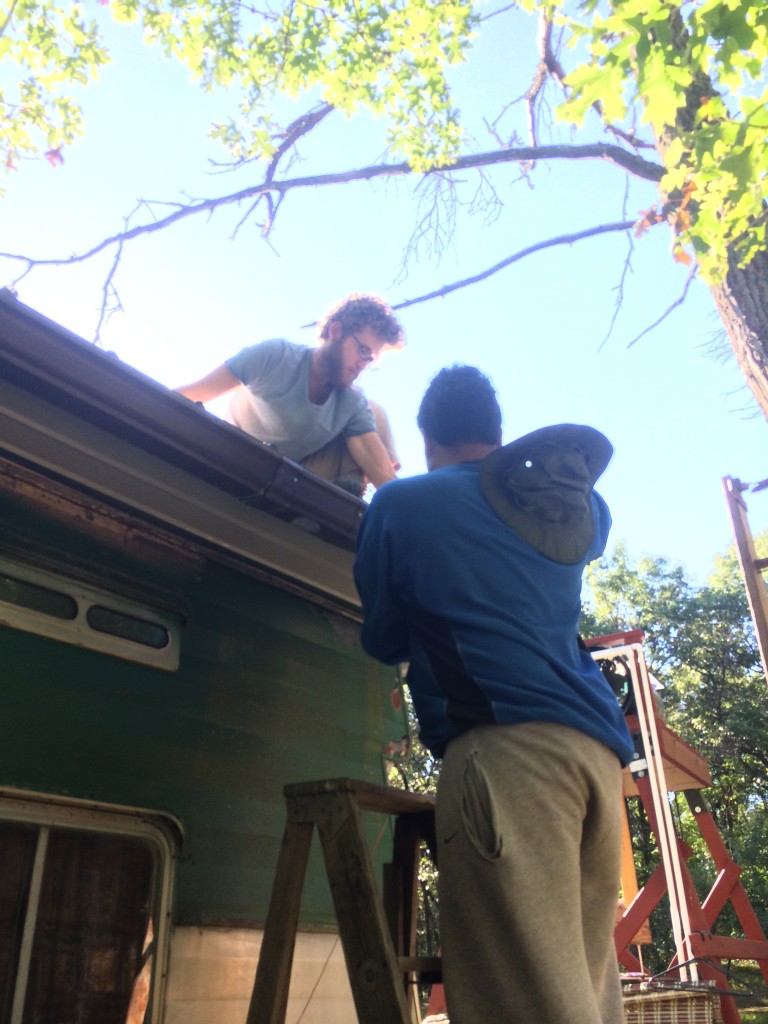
(128, 627)
(50, 604)
(37, 599)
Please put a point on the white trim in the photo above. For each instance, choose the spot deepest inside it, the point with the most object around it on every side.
(78, 630)
(30, 923)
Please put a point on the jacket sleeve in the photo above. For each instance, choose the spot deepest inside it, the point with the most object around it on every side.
(378, 572)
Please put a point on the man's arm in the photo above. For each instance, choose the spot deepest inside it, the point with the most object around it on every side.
(371, 456)
(215, 383)
(385, 631)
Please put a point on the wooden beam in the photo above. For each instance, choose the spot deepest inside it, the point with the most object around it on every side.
(751, 566)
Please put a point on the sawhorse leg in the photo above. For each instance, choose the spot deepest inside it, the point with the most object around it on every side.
(376, 978)
(374, 974)
(269, 999)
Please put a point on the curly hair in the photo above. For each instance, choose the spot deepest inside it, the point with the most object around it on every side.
(359, 311)
(460, 407)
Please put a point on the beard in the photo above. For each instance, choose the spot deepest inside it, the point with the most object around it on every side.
(333, 363)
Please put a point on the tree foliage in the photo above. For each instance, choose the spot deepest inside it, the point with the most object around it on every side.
(414, 769)
(387, 58)
(700, 644)
(52, 49)
(670, 93)
(694, 74)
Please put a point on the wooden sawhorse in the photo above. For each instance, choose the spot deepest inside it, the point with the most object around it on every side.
(377, 933)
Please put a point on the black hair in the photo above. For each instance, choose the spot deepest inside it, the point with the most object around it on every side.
(460, 407)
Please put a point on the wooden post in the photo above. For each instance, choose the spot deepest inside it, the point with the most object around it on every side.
(752, 567)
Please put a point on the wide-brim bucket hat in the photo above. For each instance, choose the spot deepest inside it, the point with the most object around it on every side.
(540, 485)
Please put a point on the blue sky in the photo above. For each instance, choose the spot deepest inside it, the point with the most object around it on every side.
(679, 419)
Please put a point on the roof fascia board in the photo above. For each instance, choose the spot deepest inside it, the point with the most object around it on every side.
(53, 363)
(58, 442)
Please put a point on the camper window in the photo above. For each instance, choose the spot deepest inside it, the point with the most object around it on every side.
(80, 906)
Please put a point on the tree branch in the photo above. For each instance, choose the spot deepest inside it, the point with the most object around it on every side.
(108, 289)
(670, 309)
(548, 243)
(298, 128)
(631, 162)
(8, 17)
(548, 67)
(625, 271)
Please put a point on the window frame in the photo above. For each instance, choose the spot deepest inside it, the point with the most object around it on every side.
(162, 832)
(77, 629)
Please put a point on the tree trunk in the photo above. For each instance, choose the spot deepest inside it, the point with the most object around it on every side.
(742, 301)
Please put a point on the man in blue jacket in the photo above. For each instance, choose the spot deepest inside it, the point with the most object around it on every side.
(472, 574)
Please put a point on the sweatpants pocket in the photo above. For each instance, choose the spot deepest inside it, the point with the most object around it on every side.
(478, 810)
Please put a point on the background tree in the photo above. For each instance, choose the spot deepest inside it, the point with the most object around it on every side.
(670, 95)
(53, 48)
(700, 644)
(413, 768)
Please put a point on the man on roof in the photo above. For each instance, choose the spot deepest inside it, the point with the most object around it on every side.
(303, 400)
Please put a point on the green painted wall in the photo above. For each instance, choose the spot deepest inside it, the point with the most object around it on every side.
(270, 690)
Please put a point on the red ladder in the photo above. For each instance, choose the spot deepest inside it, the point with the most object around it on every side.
(665, 764)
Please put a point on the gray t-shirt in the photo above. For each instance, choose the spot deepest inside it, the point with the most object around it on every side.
(274, 405)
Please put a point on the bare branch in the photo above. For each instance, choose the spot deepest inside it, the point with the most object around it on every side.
(109, 289)
(439, 203)
(595, 151)
(626, 270)
(630, 138)
(29, 267)
(8, 17)
(547, 56)
(298, 128)
(670, 309)
(636, 165)
(501, 10)
(436, 213)
(548, 243)
(548, 67)
(493, 132)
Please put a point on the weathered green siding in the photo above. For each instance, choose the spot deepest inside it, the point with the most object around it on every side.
(271, 689)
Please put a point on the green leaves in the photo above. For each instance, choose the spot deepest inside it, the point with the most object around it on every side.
(695, 73)
(53, 50)
(387, 58)
(700, 644)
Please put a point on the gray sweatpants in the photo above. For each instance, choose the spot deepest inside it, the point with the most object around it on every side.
(529, 848)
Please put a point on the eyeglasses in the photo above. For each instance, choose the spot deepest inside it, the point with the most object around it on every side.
(367, 354)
